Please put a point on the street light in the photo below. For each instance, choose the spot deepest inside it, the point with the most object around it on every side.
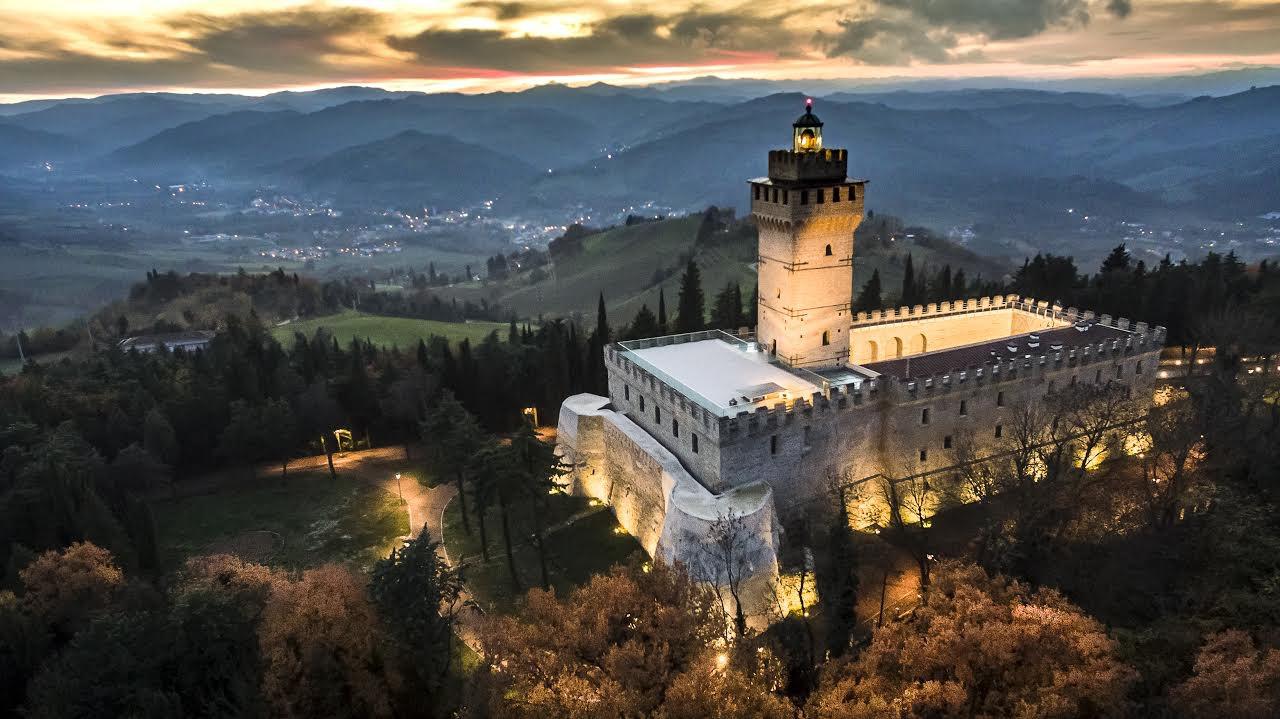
(398, 490)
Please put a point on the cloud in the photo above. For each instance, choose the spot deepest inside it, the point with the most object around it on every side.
(905, 31)
(1120, 8)
(618, 42)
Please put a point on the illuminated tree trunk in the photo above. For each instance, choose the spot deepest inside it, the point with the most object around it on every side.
(506, 538)
(328, 455)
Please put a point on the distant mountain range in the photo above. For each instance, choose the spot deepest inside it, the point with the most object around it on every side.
(946, 156)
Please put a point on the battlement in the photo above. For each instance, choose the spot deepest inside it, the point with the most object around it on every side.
(894, 390)
(821, 166)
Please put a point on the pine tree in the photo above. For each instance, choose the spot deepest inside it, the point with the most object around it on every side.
(690, 305)
(726, 312)
(869, 299)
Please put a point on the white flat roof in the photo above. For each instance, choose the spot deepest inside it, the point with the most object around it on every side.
(719, 371)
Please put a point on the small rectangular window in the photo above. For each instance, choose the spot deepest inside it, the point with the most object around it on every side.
(786, 197)
(1137, 367)
(924, 455)
(804, 197)
(946, 442)
(773, 444)
(1119, 371)
(822, 196)
(626, 392)
(835, 194)
(806, 435)
(657, 413)
(964, 408)
(695, 442)
(999, 399)
(999, 431)
(755, 192)
(675, 428)
(924, 416)
(1097, 377)
(641, 403)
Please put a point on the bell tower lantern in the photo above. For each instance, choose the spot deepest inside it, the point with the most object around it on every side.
(807, 130)
(806, 210)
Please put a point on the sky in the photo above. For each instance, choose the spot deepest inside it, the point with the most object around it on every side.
(92, 47)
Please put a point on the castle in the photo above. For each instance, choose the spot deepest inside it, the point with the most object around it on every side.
(705, 425)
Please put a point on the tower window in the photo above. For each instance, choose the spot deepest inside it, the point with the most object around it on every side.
(804, 197)
(826, 338)
(835, 194)
(924, 455)
(773, 444)
(1097, 377)
(675, 428)
(657, 413)
(999, 399)
(641, 403)
(694, 437)
(626, 392)
(964, 408)
(755, 192)
(822, 196)
(1137, 367)
(786, 196)
(999, 431)
(924, 416)
(946, 442)
(1119, 371)
(828, 250)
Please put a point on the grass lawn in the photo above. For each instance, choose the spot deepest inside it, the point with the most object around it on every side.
(587, 547)
(402, 332)
(317, 520)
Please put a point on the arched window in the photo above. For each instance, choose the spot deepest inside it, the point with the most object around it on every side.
(897, 347)
(826, 338)
(873, 351)
(828, 250)
(773, 349)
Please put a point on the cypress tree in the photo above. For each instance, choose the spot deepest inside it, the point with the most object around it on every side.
(690, 305)
(869, 299)
(662, 311)
(909, 291)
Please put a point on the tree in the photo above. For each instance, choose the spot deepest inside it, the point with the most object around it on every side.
(691, 309)
(418, 596)
(980, 646)
(837, 576)
(644, 325)
(452, 436)
(662, 311)
(65, 588)
(633, 642)
(244, 440)
(319, 416)
(724, 556)
(496, 474)
(726, 312)
(1233, 677)
(322, 648)
(538, 466)
(281, 432)
(159, 438)
(869, 299)
(910, 293)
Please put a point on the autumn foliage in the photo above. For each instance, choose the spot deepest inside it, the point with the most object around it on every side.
(981, 647)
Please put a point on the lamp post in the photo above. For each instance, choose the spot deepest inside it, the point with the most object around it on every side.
(398, 490)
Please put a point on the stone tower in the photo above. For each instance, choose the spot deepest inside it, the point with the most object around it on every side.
(806, 211)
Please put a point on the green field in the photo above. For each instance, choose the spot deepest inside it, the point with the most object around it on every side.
(402, 332)
(307, 520)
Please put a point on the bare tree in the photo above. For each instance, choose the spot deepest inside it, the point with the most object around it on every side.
(909, 503)
(1171, 463)
(724, 558)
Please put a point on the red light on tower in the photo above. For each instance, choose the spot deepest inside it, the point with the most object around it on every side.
(808, 103)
